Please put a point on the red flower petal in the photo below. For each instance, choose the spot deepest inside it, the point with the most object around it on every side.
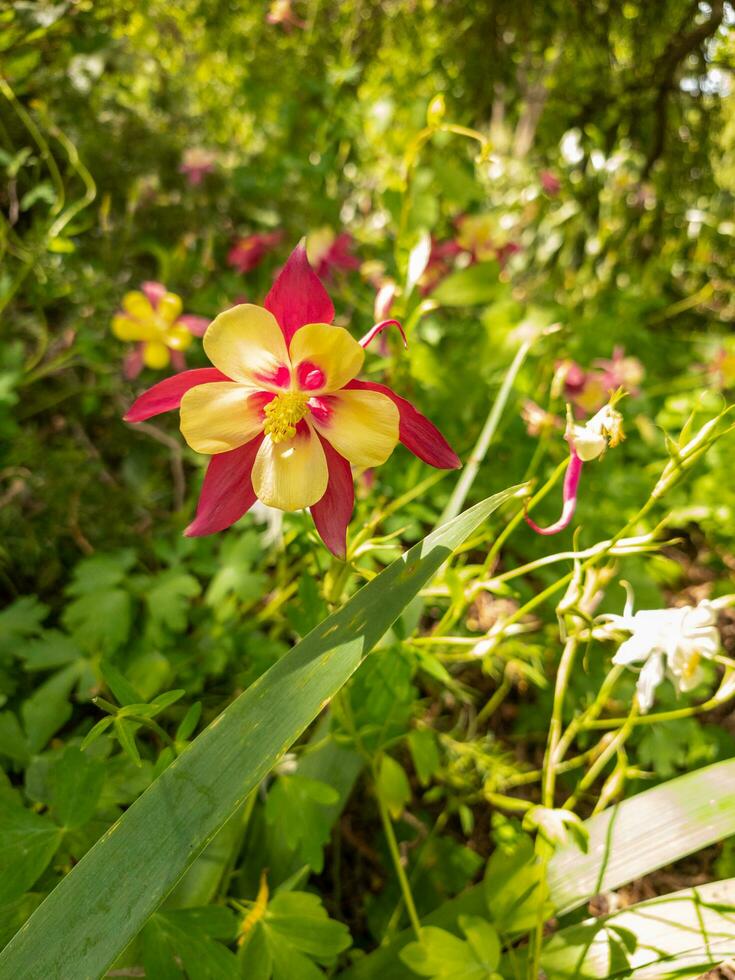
(571, 487)
(227, 491)
(297, 296)
(167, 395)
(333, 512)
(415, 431)
(379, 328)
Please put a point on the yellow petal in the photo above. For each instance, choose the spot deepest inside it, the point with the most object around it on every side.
(361, 425)
(292, 474)
(220, 416)
(178, 337)
(137, 305)
(155, 354)
(169, 307)
(331, 350)
(126, 328)
(247, 345)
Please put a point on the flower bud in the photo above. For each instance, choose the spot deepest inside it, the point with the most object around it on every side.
(437, 109)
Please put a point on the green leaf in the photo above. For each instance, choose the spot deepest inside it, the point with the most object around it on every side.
(172, 821)
(256, 962)
(102, 725)
(119, 685)
(443, 956)
(52, 649)
(425, 754)
(189, 722)
(75, 783)
(393, 786)
(295, 809)
(101, 572)
(22, 618)
(168, 599)
(125, 731)
(100, 621)
(693, 929)
(289, 963)
(13, 743)
(476, 284)
(235, 577)
(27, 844)
(183, 942)
(300, 920)
(49, 708)
(482, 938)
(514, 888)
(166, 699)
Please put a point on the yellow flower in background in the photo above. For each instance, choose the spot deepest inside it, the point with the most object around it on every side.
(153, 318)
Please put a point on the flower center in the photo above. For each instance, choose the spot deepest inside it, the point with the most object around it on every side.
(283, 413)
(691, 665)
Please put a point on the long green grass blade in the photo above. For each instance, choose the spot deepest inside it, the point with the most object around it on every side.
(634, 838)
(103, 902)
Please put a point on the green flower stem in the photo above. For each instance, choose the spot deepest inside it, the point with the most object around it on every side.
(437, 828)
(599, 764)
(511, 803)
(395, 854)
(534, 775)
(586, 720)
(674, 715)
(628, 546)
(551, 758)
(495, 701)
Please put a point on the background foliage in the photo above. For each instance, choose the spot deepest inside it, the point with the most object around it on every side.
(606, 190)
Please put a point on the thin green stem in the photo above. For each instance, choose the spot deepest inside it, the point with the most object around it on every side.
(395, 854)
(495, 701)
(602, 760)
(548, 782)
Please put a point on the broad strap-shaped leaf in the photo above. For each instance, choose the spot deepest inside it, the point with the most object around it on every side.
(646, 832)
(692, 929)
(105, 900)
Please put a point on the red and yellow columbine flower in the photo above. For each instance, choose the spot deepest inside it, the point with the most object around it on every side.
(152, 317)
(282, 414)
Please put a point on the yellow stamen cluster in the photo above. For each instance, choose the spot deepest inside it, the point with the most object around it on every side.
(612, 428)
(692, 665)
(257, 910)
(282, 415)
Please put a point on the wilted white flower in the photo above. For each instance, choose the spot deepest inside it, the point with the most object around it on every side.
(667, 642)
(602, 430)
